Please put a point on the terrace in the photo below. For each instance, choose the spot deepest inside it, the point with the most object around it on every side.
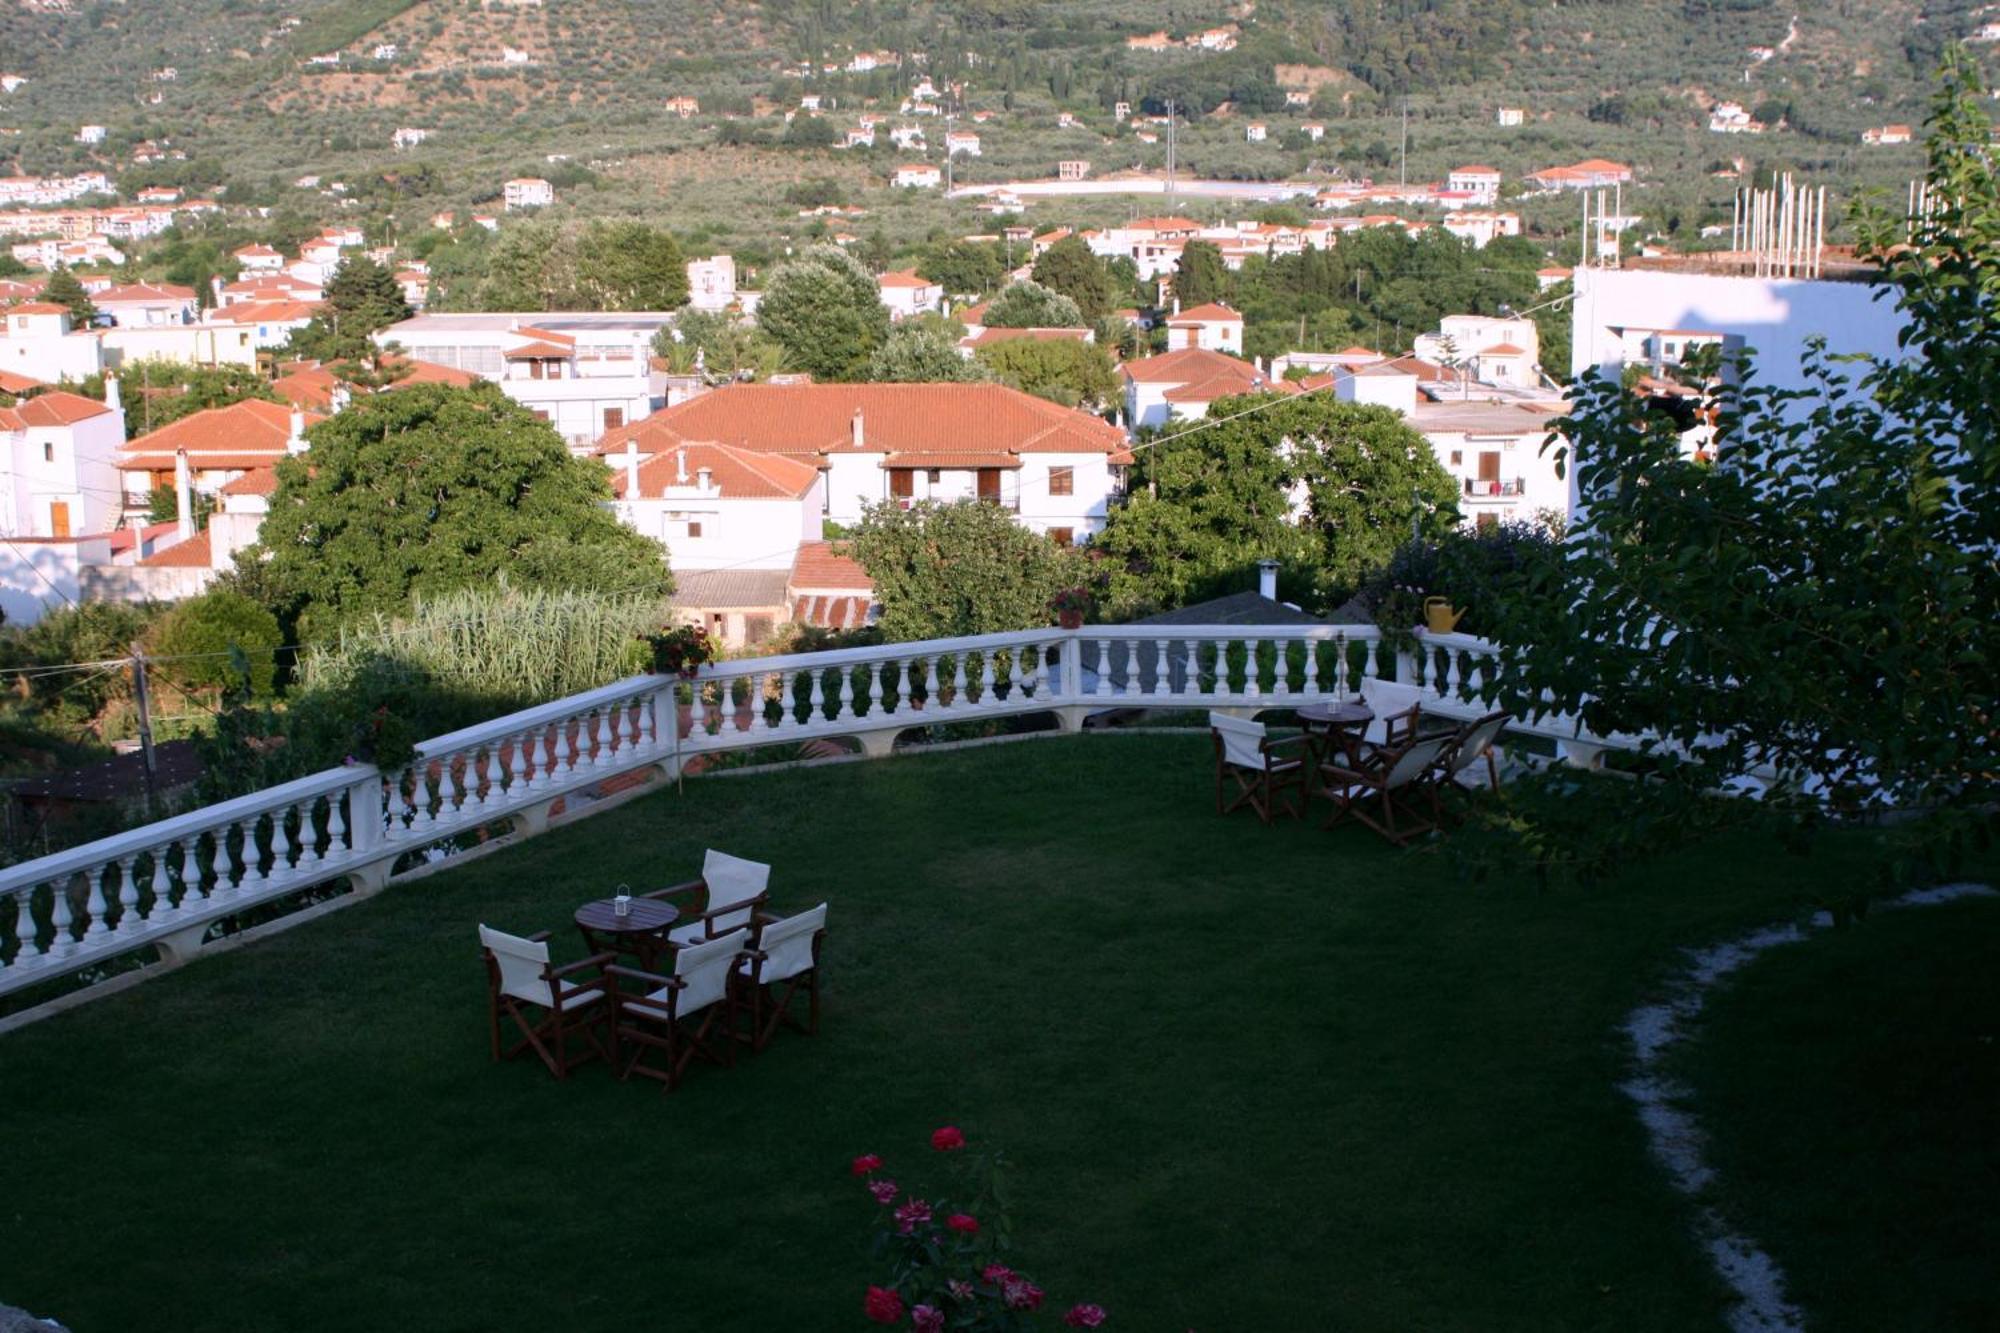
(1254, 1077)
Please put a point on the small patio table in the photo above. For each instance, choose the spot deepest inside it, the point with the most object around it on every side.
(641, 933)
(1342, 724)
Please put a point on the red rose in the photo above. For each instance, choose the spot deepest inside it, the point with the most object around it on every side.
(865, 1163)
(883, 1305)
(927, 1319)
(1084, 1316)
(911, 1214)
(948, 1138)
(996, 1273)
(963, 1222)
(883, 1190)
(1021, 1294)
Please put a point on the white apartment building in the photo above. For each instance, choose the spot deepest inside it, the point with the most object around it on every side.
(712, 282)
(1481, 227)
(1213, 326)
(37, 341)
(1481, 182)
(1505, 353)
(62, 464)
(527, 192)
(583, 373)
(716, 506)
(908, 295)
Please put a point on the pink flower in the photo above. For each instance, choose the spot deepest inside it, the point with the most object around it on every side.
(963, 1222)
(960, 1291)
(1084, 1316)
(883, 1305)
(947, 1139)
(866, 1163)
(928, 1319)
(996, 1273)
(910, 1214)
(883, 1190)
(1021, 1294)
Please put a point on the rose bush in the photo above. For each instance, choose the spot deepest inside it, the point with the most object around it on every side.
(948, 1274)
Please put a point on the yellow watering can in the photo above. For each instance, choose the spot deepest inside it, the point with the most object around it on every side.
(1439, 618)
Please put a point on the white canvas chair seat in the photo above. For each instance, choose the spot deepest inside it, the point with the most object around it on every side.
(784, 961)
(735, 888)
(1474, 743)
(1388, 699)
(677, 1015)
(1377, 789)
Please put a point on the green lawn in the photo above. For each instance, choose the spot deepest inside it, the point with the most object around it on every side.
(1253, 1078)
(1853, 1089)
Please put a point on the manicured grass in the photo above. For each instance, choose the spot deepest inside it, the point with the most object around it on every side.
(1853, 1089)
(1253, 1079)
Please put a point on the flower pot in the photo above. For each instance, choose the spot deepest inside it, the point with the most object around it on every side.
(1070, 619)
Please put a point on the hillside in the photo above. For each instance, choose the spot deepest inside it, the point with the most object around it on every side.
(256, 92)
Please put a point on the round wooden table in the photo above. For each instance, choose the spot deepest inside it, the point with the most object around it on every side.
(641, 932)
(1341, 724)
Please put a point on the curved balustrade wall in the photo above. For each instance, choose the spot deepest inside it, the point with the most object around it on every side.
(166, 888)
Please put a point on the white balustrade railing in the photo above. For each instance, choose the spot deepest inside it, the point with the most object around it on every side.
(170, 884)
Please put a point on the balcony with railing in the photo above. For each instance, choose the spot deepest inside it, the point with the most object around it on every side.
(1512, 488)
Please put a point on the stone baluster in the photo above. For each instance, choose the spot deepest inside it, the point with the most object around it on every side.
(1448, 680)
(519, 764)
(163, 888)
(309, 855)
(95, 927)
(1102, 688)
(128, 894)
(816, 699)
(1281, 652)
(336, 829)
(988, 678)
(63, 942)
(29, 952)
(251, 856)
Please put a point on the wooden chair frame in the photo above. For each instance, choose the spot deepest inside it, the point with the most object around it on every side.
(644, 1024)
(1264, 790)
(1354, 785)
(1454, 762)
(550, 1035)
(768, 1010)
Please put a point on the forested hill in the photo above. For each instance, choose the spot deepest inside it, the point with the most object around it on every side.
(255, 84)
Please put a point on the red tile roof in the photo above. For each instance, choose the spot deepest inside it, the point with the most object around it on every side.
(811, 420)
(907, 277)
(307, 388)
(38, 308)
(430, 372)
(249, 434)
(1196, 365)
(1211, 313)
(268, 312)
(832, 612)
(538, 350)
(1504, 349)
(150, 292)
(260, 481)
(190, 554)
(823, 566)
(740, 473)
(12, 383)
(55, 408)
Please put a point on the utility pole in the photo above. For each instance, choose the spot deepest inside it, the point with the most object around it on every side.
(143, 699)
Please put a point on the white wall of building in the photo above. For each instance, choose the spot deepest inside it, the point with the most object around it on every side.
(38, 575)
(704, 529)
(201, 344)
(74, 466)
(42, 348)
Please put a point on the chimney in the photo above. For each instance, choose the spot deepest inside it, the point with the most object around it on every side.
(681, 466)
(1267, 579)
(701, 476)
(859, 436)
(111, 399)
(631, 469)
(183, 496)
(296, 442)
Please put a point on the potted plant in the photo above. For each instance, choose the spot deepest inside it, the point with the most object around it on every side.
(682, 650)
(1069, 606)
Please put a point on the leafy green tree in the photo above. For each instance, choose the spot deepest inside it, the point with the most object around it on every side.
(218, 640)
(1200, 276)
(163, 506)
(64, 290)
(825, 310)
(361, 297)
(1817, 604)
(1029, 305)
(1329, 489)
(916, 353)
(1069, 268)
(728, 347)
(630, 266)
(1063, 370)
(963, 268)
(811, 132)
(942, 570)
(433, 488)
